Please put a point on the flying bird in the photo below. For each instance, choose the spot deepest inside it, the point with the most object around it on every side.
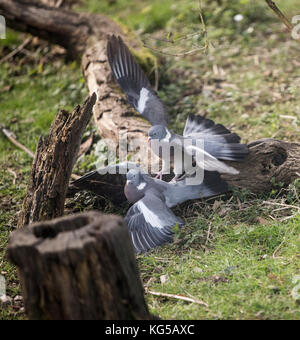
(209, 144)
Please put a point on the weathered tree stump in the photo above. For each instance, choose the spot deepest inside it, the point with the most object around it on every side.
(53, 164)
(79, 267)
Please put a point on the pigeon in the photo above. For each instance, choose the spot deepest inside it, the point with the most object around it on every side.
(206, 143)
(150, 220)
(209, 144)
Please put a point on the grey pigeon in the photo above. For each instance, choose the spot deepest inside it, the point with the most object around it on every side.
(219, 143)
(150, 220)
(134, 82)
(212, 142)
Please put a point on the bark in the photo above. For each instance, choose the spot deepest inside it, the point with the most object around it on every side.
(53, 164)
(79, 267)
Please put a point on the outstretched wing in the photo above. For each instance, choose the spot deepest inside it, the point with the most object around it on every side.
(106, 182)
(207, 161)
(218, 140)
(200, 127)
(134, 82)
(194, 149)
(150, 222)
(179, 192)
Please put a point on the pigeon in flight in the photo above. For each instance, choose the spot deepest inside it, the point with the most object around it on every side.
(150, 220)
(218, 144)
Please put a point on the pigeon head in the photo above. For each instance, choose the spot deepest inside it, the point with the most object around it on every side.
(157, 132)
(134, 177)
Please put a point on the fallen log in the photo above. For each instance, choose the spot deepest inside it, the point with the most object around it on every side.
(53, 164)
(79, 267)
(269, 163)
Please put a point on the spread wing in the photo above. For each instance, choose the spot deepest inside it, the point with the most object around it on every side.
(134, 82)
(200, 127)
(150, 222)
(106, 182)
(179, 192)
(203, 159)
(219, 142)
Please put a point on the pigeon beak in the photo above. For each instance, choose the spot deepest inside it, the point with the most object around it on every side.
(149, 139)
(128, 182)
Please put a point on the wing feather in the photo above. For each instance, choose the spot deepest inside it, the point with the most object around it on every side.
(134, 82)
(150, 222)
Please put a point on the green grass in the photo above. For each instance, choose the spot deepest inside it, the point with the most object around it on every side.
(240, 256)
(241, 270)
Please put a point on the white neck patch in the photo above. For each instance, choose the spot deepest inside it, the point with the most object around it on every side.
(142, 185)
(168, 136)
(144, 96)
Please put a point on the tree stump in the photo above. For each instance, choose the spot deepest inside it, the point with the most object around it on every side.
(53, 164)
(79, 267)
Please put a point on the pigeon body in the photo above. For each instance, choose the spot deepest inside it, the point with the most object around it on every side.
(212, 143)
(150, 220)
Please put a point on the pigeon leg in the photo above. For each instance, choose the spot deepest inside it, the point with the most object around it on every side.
(178, 178)
(159, 175)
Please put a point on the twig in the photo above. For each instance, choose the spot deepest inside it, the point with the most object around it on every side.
(12, 138)
(277, 249)
(16, 50)
(172, 41)
(282, 205)
(208, 234)
(280, 15)
(14, 174)
(10, 135)
(178, 297)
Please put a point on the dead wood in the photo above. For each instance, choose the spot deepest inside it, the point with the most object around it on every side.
(79, 267)
(269, 163)
(53, 164)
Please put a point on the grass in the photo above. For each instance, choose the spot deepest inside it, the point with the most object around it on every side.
(236, 253)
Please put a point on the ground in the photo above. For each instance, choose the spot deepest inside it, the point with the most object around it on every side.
(238, 253)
